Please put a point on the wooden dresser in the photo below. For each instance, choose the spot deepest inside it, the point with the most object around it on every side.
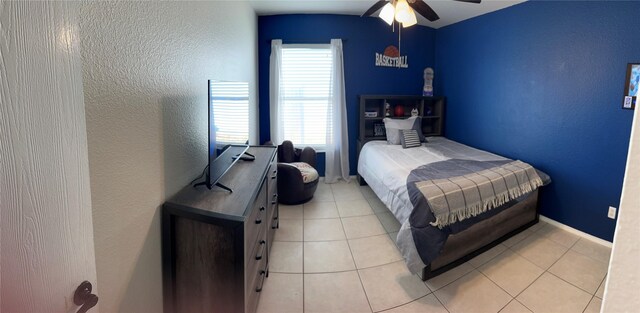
(215, 244)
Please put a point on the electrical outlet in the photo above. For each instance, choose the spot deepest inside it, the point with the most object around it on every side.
(612, 213)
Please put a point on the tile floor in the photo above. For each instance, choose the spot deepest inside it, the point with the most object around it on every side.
(337, 253)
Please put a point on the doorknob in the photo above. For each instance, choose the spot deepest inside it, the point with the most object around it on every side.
(84, 297)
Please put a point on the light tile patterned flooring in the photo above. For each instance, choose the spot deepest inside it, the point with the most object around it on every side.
(337, 253)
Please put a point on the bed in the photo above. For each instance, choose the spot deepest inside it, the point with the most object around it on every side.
(432, 245)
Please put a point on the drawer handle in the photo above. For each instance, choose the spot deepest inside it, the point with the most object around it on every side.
(259, 288)
(259, 256)
(274, 177)
(259, 220)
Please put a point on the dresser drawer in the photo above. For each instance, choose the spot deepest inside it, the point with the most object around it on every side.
(271, 230)
(256, 272)
(255, 256)
(272, 193)
(252, 293)
(254, 226)
(259, 202)
(272, 174)
(254, 266)
(272, 211)
(257, 219)
(273, 218)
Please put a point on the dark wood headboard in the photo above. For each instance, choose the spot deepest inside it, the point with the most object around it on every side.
(372, 112)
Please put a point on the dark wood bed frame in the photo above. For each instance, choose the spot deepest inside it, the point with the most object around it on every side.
(478, 238)
(484, 235)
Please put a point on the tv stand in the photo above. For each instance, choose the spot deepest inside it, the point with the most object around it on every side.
(223, 187)
(211, 187)
(223, 163)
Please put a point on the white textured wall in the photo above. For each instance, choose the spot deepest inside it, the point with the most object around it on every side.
(622, 291)
(145, 67)
(45, 204)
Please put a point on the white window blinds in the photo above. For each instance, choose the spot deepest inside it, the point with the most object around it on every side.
(305, 87)
(230, 102)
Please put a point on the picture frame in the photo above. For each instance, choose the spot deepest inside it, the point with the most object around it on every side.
(379, 130)
(631, 86)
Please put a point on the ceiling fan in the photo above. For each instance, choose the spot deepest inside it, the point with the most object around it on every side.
(402, 11)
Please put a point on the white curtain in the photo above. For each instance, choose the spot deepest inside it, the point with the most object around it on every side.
(337, 151)
(275, 95)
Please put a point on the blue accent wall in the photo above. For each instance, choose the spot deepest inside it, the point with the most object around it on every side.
(543, 82)
(362, 38)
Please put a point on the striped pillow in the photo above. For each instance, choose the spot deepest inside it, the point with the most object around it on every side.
(393, 127)
(409, 138)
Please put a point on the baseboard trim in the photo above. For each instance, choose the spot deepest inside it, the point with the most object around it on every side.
(576, 232)
(352, 178)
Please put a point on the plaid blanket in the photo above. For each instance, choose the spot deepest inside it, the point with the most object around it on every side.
(457, 189)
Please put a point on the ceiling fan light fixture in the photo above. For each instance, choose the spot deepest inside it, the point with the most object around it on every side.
(412, 20)
(403, 11)
(387, 13)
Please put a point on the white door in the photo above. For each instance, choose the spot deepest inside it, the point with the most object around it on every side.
(46, 231)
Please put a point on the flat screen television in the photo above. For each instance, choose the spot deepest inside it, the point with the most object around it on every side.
(228, 107)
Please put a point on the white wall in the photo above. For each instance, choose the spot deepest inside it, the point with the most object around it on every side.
(622, 291)
(45, 204)
(145, 67)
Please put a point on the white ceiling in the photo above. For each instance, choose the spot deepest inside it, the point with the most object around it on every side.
(449, 11)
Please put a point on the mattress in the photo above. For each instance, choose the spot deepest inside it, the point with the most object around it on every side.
(386, 168)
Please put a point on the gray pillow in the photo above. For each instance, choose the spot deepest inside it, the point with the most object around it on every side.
(409, 138)
(394, 126)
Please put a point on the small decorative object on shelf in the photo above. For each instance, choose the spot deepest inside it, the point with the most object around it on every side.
(414, 112)
(427, 111)
(399, 110)
(632, 85)
(378, 129)
(387, 109)
(427, 89)
(371, 114)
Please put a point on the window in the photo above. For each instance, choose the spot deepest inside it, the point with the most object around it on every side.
(230, 102)
(305, 86)
(307, 101)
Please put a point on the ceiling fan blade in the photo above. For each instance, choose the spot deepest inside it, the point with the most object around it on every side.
(377, 6)
(470, 1)
(424, 10)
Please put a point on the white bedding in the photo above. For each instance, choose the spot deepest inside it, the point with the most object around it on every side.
(386, 167)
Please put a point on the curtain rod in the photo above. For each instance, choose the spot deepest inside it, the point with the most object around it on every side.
(306, 43)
